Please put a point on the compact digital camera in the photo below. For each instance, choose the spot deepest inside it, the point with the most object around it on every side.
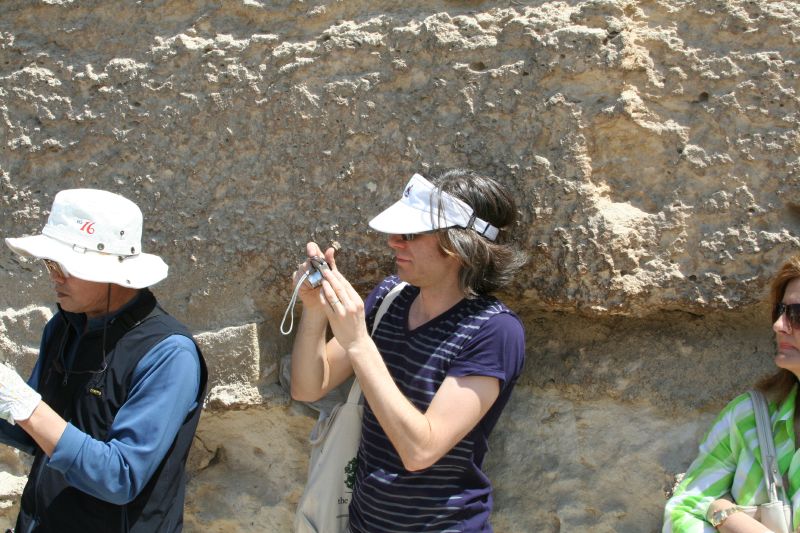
(318, 264)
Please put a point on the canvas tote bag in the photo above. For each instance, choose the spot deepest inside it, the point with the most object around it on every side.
(775, 514)
(323, 507)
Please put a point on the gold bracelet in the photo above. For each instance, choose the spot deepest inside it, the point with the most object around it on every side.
(718, 517)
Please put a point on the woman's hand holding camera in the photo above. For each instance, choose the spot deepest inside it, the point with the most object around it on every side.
(310, 295)
(343, 307)
(345, 310)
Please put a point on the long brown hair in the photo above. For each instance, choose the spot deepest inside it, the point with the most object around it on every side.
(778, 385)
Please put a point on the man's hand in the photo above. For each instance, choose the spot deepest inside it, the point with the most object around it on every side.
(17, 399)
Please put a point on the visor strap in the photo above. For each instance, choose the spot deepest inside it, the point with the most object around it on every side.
(474, 223)
(482, 227)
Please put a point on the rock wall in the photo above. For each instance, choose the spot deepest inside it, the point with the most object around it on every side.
(653, 147)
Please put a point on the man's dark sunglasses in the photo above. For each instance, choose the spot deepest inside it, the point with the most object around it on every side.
(55, 268)
(792, 313)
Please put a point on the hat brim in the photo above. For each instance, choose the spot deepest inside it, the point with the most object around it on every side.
(401, 218)
(136, 271)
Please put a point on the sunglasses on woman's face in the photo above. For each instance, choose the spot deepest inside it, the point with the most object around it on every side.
(412, 236)
(792, 313)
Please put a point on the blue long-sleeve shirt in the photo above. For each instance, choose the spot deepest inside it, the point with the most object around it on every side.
(164, 388)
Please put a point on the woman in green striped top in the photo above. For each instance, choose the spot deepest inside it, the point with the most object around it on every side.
(728, 466)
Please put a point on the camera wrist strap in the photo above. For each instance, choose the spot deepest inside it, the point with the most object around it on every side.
(290, 308)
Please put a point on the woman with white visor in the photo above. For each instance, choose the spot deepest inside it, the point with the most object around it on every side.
(442, 363)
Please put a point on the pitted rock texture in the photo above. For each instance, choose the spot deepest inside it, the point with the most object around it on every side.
(653, 148)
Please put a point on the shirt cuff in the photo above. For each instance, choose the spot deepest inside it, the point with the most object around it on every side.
(67, 448)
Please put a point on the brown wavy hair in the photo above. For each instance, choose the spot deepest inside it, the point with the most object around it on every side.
(778, 385)
(485, 265)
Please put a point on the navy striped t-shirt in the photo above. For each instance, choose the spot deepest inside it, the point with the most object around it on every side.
(479, 336)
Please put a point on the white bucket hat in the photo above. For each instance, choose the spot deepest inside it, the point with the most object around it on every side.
(96, 236)
(425, 208)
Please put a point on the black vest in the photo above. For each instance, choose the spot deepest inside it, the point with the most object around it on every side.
(90, 399)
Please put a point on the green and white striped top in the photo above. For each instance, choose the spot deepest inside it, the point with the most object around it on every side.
(730, 462)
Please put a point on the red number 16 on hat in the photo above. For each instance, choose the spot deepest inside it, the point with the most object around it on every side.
(88, 227)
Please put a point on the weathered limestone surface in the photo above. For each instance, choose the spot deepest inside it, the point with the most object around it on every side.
(653, 147)
(233, 368)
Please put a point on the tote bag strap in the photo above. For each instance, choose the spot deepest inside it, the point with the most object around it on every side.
(769, 458)
(355, 390)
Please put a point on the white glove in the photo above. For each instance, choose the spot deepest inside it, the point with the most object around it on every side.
(17, 399)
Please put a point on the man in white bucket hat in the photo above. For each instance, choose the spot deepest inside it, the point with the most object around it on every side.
(113, 403)
(440, 366)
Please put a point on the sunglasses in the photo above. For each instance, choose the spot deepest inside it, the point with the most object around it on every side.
(55, 268)
(412, 236)
(792, 313)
